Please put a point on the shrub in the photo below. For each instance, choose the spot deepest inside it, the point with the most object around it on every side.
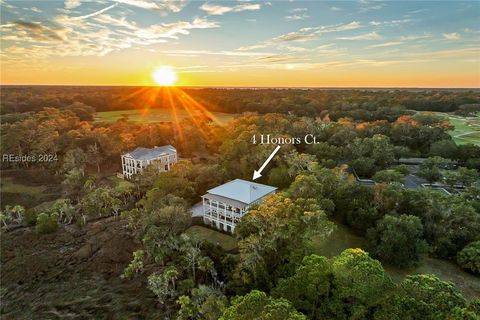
(47, 223)
(135, 266)
(469, 257)
(397, 240)
(388, 176)
(30, 217)
(402, 168)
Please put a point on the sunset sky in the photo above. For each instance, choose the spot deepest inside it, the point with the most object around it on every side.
(242, 43)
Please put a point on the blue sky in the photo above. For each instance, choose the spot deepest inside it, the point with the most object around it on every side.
(233, 42)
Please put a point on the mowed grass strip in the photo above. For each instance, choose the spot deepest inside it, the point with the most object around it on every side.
(154, 115)
(467, 129)
(225, 241)
(340, 239)
(472, 137)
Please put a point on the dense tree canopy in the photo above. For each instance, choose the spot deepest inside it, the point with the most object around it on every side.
(469, 257)
(274, 236)
(364, 104)
(350, 285)
(257, 305)
(425, 297)
(398, 240)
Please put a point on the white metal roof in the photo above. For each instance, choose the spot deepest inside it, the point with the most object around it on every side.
(242, 190)
(149, 154)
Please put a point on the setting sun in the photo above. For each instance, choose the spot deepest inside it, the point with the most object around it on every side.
(165, 76)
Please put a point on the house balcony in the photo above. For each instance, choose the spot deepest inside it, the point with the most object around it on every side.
(222, 214)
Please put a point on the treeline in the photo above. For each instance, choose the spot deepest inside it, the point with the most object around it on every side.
(368, 146)
(236, 100)
(59, 131)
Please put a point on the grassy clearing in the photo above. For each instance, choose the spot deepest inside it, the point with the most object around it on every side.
(153, 115)
(16, 187)
(119, 182)
(225, 241)
(343, 238)
(446, 270)
(340, 239)
(9, 186)
(467, 129)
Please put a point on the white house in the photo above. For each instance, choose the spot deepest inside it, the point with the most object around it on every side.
(135, 161)
(225, 205)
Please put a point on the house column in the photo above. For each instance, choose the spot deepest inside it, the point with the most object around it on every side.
(203, 210)
(217, 209)
(225, 216)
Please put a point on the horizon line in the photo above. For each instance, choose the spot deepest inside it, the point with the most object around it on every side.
(236, 87)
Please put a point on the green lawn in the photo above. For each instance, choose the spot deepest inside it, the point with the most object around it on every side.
(343, 238)
(467, 129)
(446, 270)
(340, 239)
(153, 115)
(225, 241)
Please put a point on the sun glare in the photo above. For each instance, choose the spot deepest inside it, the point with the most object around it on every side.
(165, 76)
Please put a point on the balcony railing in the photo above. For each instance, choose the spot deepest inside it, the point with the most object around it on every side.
(223, 215)
(228, 213)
